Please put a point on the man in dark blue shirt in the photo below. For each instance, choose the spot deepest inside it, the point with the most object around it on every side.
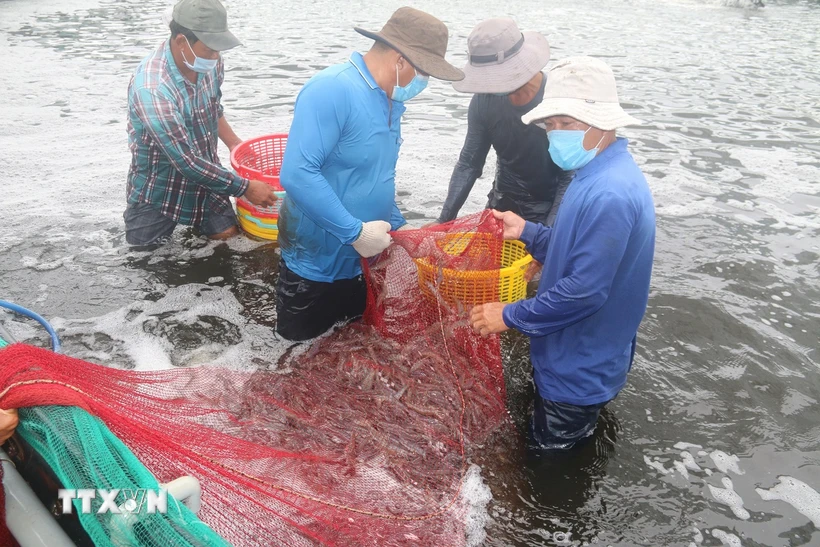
(597, 258)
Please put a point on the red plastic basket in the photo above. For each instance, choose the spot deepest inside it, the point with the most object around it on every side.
(261, 159)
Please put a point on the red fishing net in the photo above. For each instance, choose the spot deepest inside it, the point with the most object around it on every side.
(362, 439)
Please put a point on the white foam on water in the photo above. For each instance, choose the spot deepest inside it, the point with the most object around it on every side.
(698, 536)
(680, 467)
(689, 461)
(730, 540)
(656, 465)
(141, 330)
(476, 495)
(798, 494)
(794, 402)
(725, 462)
(728, 496)
(687, 446)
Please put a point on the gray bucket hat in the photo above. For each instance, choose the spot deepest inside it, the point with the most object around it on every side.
(421, 39)
(208, 20)
(502, 58)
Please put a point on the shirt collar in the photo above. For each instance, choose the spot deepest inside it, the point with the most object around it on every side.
(179, 79)
(617, 147)
(357, 61)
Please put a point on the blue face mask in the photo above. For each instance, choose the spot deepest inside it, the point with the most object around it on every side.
(500, 94)
(567, 148)
(416, 86)
(203, 66)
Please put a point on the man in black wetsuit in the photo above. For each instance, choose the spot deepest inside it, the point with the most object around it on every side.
(504, 71)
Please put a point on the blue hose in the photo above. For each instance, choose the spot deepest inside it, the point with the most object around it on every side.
(55, 340)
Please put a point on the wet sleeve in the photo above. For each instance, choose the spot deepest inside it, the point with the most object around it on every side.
(536, 237)
(397, 219)
(603, 232)
(318, 119)
(164, 121)
(470, 162)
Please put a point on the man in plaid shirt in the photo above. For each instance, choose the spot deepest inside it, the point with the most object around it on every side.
(174, 118)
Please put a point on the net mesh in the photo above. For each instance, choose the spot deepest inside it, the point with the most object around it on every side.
(362, 439)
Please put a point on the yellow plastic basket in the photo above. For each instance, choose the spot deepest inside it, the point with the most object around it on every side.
(252, 226)
(475, 287)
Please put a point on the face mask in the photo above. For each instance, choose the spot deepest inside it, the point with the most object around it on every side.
(203, 66)
(416, 86)
(500, 94)
(567, 148)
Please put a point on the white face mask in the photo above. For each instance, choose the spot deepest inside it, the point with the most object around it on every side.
(202, 66)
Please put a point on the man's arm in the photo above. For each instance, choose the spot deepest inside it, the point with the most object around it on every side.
(397, 219)
(226, 134)
(320, 114)
(603, 232)
(537, 238)
(164, 122)
(470, 163)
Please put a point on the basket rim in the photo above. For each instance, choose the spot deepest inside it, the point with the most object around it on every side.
(507, 271)
(254, 212)
(255, 173)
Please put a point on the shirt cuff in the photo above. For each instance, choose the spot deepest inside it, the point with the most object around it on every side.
(529, 233)
(508, 314)
(239, 186)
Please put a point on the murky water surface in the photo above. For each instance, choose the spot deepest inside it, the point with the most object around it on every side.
(716, 439)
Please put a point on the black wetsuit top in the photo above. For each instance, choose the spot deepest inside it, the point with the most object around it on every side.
(526, 178)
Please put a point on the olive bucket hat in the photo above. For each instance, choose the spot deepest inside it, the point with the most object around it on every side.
(208, 20)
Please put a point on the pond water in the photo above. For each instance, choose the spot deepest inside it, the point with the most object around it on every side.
(715, 440)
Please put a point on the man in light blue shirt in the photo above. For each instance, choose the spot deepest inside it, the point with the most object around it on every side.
(339, 171)
(597, 258)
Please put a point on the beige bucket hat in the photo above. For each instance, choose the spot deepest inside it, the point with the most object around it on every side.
(421, 39)
(582, 88)
(501, 57)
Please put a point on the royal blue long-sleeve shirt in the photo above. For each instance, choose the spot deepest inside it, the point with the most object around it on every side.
(594, 288)
(338, 171)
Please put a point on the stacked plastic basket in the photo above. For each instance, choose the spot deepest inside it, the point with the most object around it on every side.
(260, 159)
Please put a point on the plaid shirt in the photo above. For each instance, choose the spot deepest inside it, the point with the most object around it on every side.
(172, 132)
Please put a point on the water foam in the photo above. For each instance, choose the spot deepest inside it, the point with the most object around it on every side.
(190, 325)
(476, 495)
(730, 540)
(796, 493)
(728, 496)
(725, 463)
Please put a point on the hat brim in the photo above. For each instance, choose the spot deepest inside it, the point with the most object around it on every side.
(512, 73)
(606, 116)
(218, 41)
(435, 66)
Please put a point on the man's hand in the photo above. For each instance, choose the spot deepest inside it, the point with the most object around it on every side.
(260, 194)
(8, 421)
(488, 318)
(513, 224)
(373, 239)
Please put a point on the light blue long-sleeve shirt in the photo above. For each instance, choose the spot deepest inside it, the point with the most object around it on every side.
(338, 171)
(594, 288)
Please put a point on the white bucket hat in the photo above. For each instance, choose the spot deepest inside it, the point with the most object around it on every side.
(582, 88)
(501, 57)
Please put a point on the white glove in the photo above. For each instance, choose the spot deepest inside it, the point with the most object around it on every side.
(373, 239)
